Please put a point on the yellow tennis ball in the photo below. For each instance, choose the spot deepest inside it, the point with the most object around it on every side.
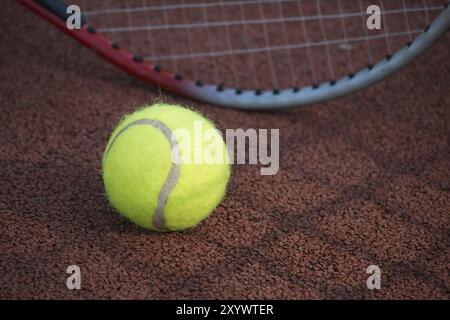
(165, 167)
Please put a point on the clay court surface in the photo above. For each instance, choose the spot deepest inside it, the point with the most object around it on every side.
(364, 180)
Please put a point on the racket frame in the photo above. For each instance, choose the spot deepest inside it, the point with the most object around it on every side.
(248, 99)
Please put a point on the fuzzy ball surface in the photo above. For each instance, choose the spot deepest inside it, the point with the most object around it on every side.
(165, 167)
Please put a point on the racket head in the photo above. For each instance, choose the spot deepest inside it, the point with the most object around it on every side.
(257, 55)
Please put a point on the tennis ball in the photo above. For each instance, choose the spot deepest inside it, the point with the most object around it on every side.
(165, 167)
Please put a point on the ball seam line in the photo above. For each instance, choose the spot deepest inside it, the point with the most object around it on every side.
(174, 172)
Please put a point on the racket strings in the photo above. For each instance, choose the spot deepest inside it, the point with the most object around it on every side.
(260, 44)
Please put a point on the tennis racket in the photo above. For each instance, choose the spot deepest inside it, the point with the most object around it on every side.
(256, 54)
